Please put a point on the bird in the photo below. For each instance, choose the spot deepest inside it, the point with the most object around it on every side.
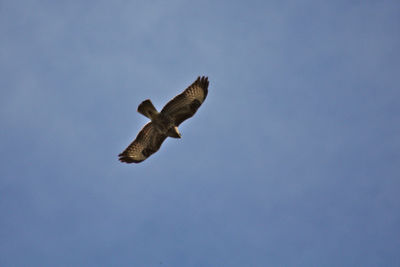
(165, 123)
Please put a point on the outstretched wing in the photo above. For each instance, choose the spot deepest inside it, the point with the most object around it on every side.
(147, 142)
(185, 105)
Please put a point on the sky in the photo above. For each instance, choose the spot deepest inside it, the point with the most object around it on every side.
(292, 160)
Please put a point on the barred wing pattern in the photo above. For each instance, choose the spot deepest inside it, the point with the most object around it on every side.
(180, 108)
(185, 105)
(147, 142)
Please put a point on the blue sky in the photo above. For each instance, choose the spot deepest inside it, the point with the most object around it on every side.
(293, 159)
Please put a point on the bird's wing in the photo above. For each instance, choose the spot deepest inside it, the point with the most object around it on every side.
(185, 105)
(147, 142)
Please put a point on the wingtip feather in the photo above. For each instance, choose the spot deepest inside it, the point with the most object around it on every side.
(129, 160)
(202, 81)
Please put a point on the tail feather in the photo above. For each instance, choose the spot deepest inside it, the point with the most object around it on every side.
(147, 109)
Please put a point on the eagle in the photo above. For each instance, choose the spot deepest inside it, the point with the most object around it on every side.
(165, 123)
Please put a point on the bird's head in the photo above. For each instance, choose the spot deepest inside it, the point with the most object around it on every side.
(174, 132)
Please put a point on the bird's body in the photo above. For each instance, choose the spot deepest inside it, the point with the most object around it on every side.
(165, 123)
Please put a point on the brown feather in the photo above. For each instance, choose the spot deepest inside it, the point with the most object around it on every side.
(185, 105)
(181, 107)
(146, 143)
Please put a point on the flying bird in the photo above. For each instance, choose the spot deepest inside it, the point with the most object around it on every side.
(165, 123)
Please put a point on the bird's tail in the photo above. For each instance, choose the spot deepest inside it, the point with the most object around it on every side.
(147, 109)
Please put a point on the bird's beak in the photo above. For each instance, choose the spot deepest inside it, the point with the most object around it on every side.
(177, 131)
(174, 132)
